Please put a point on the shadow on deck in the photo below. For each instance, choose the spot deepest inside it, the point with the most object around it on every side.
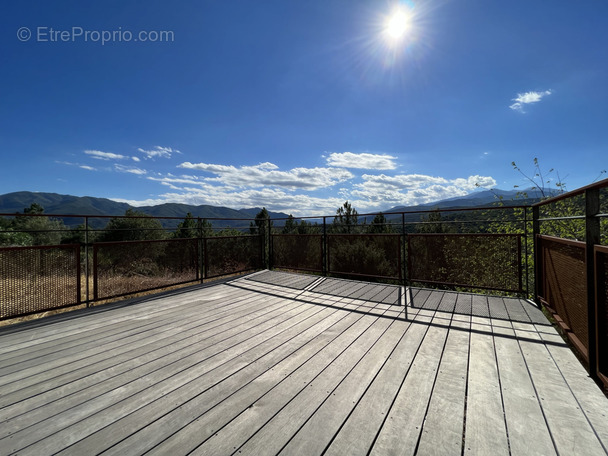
(278, 363)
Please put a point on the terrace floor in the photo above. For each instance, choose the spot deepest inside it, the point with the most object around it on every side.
(278, 363)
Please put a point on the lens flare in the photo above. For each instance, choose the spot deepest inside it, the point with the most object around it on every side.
(397, 25)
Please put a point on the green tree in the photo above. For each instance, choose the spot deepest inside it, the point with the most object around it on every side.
(379, 225)
(308, 228)
(431, 224)
(187, 228)
(346, 219)
(291, 225)
(260, 224)
(34, 229)
(134, 226)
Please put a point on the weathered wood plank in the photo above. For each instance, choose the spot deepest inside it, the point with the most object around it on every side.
(497, 308)
(290, 379)
(75, 359)
(485, 431)
(235, 393)
(59, 422)
(534, 313)
(80, 321)
(515, 310)
(463, 304)
(404, 422)
(571, 431)
(159, 419)
(362, 426)
(593, 403)
(528, 432)
(134, 365)
(237, 432)
(123, 335)
(314, 370)
(479, 306)
(318, 431)
(444, 421)
(276, 433)
(433, 299)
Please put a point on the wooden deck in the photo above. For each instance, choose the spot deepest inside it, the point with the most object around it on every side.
(277, 363)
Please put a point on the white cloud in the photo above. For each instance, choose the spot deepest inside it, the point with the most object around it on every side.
(277, 199)
(376, 192)
(136, 159)
(361, 161)
(301, 191)
(98, 154)
(89, 168)
(413, 189)
(528, 98)
(402, 181)
(129, 169)
(267, 174)
(159, 151)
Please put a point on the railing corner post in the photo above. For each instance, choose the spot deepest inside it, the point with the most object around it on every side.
(592, 237)
(538, 291)
(325, 249)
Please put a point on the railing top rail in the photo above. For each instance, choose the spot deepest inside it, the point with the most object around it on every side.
(572, 193)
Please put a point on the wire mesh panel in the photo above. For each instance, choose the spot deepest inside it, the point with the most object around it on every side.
(601, 289)
(486, 261)
(232, 254)
(368, 255)
(300, 252)
(564, 286)
(126, 267)
(36, 279)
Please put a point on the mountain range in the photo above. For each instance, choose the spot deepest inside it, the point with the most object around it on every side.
(54, 203)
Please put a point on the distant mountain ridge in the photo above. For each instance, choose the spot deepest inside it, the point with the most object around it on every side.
(483, 198)
(55, 203)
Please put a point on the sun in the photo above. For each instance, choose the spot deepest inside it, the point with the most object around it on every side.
(397, 25)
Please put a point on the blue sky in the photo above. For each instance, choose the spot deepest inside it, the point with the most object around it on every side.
(298, 106)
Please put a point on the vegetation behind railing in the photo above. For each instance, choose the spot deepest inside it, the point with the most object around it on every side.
(374, 246)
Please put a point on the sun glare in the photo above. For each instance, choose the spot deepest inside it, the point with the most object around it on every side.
(397, 25)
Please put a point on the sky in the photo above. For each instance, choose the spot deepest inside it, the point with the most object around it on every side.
(298, 106)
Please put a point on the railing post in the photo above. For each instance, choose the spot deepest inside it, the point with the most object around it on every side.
(269, 248)
(200, 270)
(538, 271)
(86, 259)
(592, 237)
(325, 251)
(526, 240)
(95, 288)
(404, 249)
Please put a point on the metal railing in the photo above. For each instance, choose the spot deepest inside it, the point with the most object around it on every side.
(102, 265)
(553, 251)
(570, 264)
(464, 249)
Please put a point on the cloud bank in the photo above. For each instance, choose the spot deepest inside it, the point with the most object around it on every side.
(300, 191)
